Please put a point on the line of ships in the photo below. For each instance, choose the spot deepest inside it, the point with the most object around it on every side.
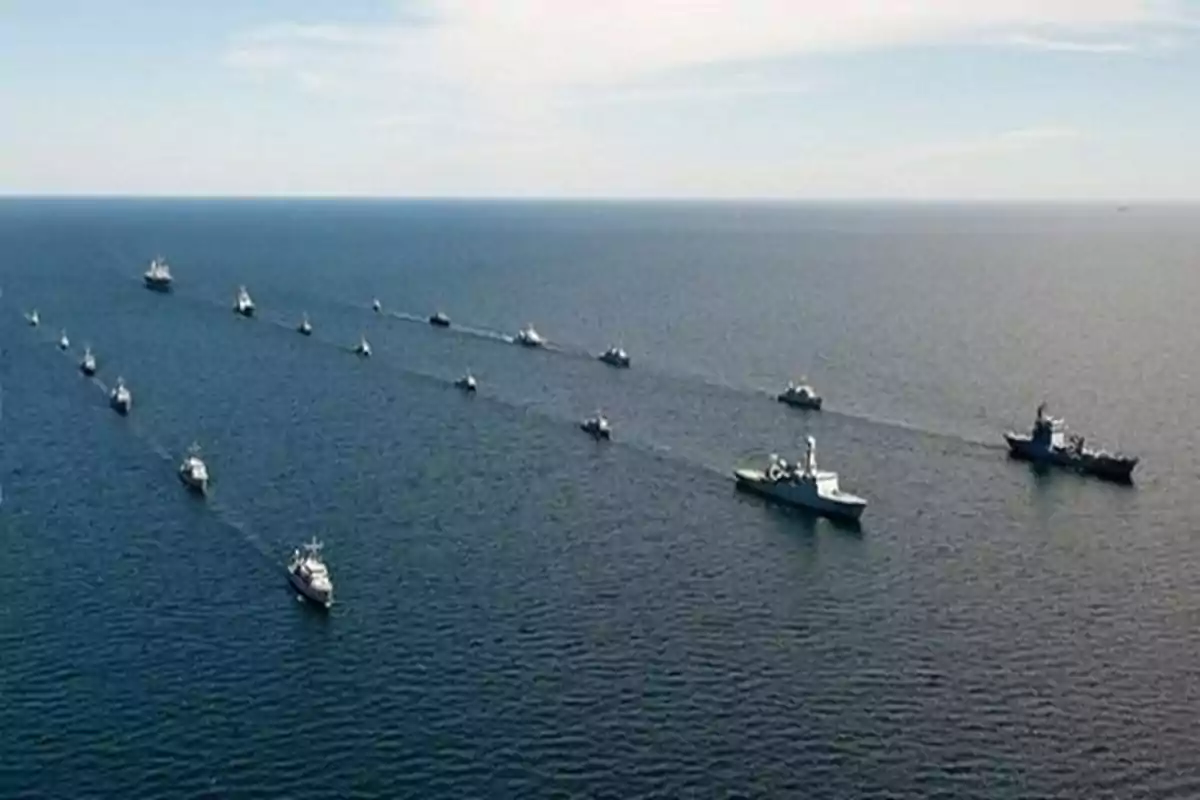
(802, 485)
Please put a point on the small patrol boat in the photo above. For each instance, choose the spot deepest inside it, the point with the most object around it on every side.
(616, 357)
(466, 382)
(87, 364)
(308, 573)
(33, 319)
(597, 427)
(439, 320)
(305, 326)
(800, 395)
(120, 398)
(804, 486)
(529, 337)
(193, 471)
(363, 348)
(158, 276)
(64, 343)
(242, 304)
(376, 306)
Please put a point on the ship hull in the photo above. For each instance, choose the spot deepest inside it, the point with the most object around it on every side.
(594, 432)
(321, 599)
(86, 370)
(244, 312)
(120, 407)
(1119, 470)
(810, 404)
(754, 481)
(439, 322)
(156, 284)
(199, 487)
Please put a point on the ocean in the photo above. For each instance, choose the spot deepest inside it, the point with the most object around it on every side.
(523, 612)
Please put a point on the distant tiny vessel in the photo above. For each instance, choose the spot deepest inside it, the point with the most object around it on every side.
(1048, 443)
(801, 396)
(466, 382)
(807, 486)
(158, 276)
(33, 318)
(376, 305)
(363, 348)
(64, 343)
(120, 398)
(439, 320)
(308, 573)
(597, 426)
(88, 364)
(528, 337)
(242, 304)
(193, 471)
(305, 325)
(615, 356)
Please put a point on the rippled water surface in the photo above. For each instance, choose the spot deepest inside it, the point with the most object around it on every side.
(523, 612)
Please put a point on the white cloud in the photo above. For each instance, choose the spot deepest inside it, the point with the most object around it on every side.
(539, 43)
(1072, 45)
(492, 90)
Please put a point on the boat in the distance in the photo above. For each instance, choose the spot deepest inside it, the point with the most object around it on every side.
(64, 343)
(376, 306)
(1048, 443)
(158, 276)
(87, 365)
(120, 398)
(305, 326)
(597, 427)
(466, 382)
(242, 304)
(615, 356)
(308, 573)
(802, 485)
(33, 319)
(439, 320)
(529, 337)
(363, 348)
(800, 395)
(193, 471)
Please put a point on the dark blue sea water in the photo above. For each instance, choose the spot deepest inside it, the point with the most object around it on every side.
(523, 612)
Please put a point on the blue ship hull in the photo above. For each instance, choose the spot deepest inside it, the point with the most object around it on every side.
(1086, 462)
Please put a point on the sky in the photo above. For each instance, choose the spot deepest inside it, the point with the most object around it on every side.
(808, 99)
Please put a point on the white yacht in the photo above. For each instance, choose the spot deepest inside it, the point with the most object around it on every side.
(88, 364)
(615, 356)
(305, 326)
(33, 318)
(64, 343)
(800, 395)
(363, 348)
(193, 471)
(120, 398)
(376, 306)
(597, 426)
(466, 382)
(308, 573)
(242, 304)
(528, 337)
(158, 276)
(804, 486)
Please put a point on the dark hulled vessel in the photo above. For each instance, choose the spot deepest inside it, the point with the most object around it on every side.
(1049, 444)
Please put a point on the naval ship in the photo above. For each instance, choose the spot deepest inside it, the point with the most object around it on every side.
(1048, 443)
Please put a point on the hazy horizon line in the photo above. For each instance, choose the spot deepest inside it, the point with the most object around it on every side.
(1119, 201)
